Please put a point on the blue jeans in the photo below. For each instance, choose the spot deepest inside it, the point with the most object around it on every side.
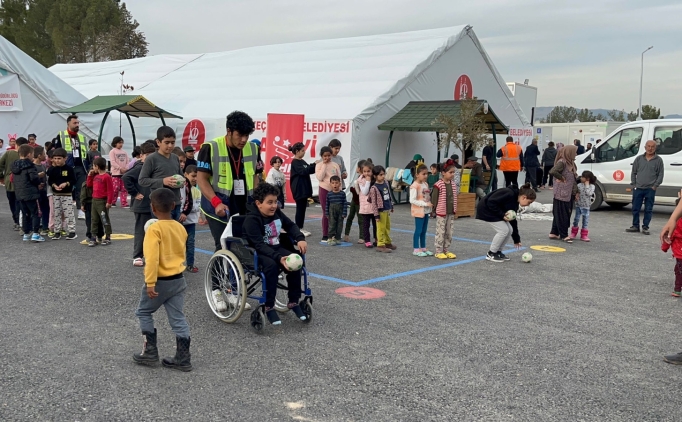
(642, 195)
(585, 212)
(172, 297)
(175, 213)
(421, 227)
(191, 230)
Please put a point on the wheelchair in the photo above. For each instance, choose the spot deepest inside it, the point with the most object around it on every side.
(235, 271)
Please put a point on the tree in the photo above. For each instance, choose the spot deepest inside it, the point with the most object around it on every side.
(35, 40)
(650, 112)
(125, 41)
(466, 130)
(585, 115)
(617, 115)
(561, 114)
(12, 19)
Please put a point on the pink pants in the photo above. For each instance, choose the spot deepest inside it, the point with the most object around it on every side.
(120, 190)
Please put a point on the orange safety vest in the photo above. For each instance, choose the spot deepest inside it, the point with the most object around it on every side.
(510, 158)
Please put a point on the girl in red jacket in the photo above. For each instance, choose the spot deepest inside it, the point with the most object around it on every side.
(676, 246)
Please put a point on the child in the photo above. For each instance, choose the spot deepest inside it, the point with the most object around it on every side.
(62, 180)
(277, 178)
(301, 188)
(43, 201)
(119, 160)
(26, 182)
(583, 203)
(181, 157)
(164, 249)
(189, 217)
(159, 167)
(86, 207)
(355, 209)
(363, 184)
(262, 227)
(444, 200)
(493, 207)
(93, 153)
(336, 210)
(676, 245)
(420, 195)
(434, 176)
(102, 198)
(140, 199)
(136, 156)
(382, 207)
(324, 170)
(335, 145)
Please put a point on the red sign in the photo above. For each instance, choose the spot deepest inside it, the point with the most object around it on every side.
(283, 130)
(463, 88)
(618, 175)
(363, 293)
(194, 134)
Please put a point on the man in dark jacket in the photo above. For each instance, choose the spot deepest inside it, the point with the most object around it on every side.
(141, 205)
(532, 163)
(6, 161)
(26, 182)
(477, 172)
(581, 149)
(548, 157)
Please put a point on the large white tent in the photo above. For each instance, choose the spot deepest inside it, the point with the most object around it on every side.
(360, 82)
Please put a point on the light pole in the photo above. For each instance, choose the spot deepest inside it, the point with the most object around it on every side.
(641, 82)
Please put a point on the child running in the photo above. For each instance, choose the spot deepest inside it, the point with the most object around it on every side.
(26, 182)
(102, 198)
(189, 217)
(336, 210)
(277, 178)
(164, 250)
(362, 185)
(382, 207)
(354, 209)
(583, 203)
(420, 208)
(444, 200)
(62, 180)
(324, 170)
(493, 207)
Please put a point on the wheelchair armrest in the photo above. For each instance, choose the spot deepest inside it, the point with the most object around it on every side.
(227, 241)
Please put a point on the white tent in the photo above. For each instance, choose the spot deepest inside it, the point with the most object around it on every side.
(360, 81)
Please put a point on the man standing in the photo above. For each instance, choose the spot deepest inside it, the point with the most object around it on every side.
(32, 138)
(226, 173)
(76, 149)
(455, 158)
(488, 154)
(477, 172)
(588, 146)
(647, 176)
(532, 164)
(511, 162)
(189, 156)
(581, 149)
(6, 162)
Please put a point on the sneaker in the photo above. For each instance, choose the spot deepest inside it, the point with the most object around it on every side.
(346, 238)
(272, 316)
(27, 237)
(632, 229)
(92, 243)
(503, 256)
(297, 310)
(369, 245)
(37, 238)
(191, 269)
(306, 233)
(645, 230)
(50, 234)
(419, 253)
(675, 359)
(64, 233)
(98, 240)
(71, 236)
(493, 257)
(361, 241)
(675, 294)
(331, 242)
(137, 262)
(106, 242)
(220, 304)
(43, 232)
(81, 215)
(325, 239)
(232, 299)
(57, 236)
(17, 227)
(127, 207)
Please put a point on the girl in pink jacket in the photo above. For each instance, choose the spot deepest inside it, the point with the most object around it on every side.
(119, 160)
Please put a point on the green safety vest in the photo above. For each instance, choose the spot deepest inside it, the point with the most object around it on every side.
(66, 144)
(222, 180)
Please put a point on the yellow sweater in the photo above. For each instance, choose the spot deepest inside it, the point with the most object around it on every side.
(164, 250)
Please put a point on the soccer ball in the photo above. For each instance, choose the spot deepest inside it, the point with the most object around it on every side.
(526, 257)
(294, 262)
(149, 223)
(179, 180)
(510, 215)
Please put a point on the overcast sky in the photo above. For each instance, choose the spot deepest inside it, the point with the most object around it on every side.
(579, 53)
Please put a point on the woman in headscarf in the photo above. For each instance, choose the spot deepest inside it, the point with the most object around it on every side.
(565, 188)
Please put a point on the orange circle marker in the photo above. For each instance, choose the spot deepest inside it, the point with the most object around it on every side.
(363, 293)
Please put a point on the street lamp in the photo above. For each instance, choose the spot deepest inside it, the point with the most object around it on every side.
(641, 81)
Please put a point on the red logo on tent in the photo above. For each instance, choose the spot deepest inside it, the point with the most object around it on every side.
(463, 88)
(194, 135)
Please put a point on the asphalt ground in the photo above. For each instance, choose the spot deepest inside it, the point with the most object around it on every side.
(574, 335)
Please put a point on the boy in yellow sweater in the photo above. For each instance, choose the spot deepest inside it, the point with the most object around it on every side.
(164, 251)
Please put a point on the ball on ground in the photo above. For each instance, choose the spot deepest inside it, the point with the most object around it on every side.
(149, 223)
(510, 215)
(527, 257)
(294, 262)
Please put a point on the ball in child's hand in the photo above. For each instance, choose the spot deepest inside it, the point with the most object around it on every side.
(149, 223)
(510, 215)
(179, 180)
(527, 257)
(294, 262)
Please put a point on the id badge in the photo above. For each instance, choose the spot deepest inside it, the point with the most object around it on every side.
(76, 153)
(239, 187)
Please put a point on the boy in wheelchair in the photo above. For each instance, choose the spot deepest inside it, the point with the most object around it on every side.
(262, 228)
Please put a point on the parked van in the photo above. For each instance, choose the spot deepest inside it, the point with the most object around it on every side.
(611, 161)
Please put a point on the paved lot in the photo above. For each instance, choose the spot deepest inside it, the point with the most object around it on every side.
(576, 335)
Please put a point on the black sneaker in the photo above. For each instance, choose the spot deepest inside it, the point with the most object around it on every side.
(273, 318)
(92, 243)
(633, 229)
(494, 257)
(675, 359)
(503, 256)
(71, 236)
(325, 239)
(57, 236)
(645, 230)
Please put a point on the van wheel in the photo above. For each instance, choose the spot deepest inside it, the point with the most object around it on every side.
(616, 205)
(597, 198)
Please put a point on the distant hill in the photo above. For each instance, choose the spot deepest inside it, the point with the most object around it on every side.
(542, 112)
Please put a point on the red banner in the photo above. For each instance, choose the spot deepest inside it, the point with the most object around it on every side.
(283, 130)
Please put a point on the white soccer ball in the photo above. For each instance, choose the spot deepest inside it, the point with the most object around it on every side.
(294, 262)
(149, 223)
(179, 180)
(510, 215)
(527, 257)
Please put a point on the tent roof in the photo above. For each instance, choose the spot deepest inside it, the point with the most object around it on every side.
(419, 116)
(133, 105)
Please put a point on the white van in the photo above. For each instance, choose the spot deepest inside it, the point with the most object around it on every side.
(611, 161)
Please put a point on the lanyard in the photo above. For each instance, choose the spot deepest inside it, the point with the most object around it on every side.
(238, 164)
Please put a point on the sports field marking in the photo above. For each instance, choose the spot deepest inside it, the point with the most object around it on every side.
(546, 248)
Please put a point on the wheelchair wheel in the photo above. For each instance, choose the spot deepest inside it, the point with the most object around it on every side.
(282, 297)
(257, 319)
(307, 308)
(225, 272)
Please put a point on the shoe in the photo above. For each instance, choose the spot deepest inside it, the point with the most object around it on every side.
(43, 232)
(272, 316)
(37, 238)
(191, 269)
(583, 235)
(71, 236)
(93, 243)
(675, 294)
(391, 247)
(361, 241)
(383, 249)
(98, 240)
(551, 188)
(450, 255)
(494, 257)
(50, 234)
(574, 232)
(232, 299)
(56, 236)
(150, 353)
(346, 238)
(419, 253)
(218, 301)
(297, 310)
(306, 233)
(81, 215)
(127, 207)
(374, 243)
(332, 242)
(632, 229)
(325, 239)
(137, 262)
(645, 230)
(369, 245)
(17, 227)
(27, 237)
(675, 359)
(64, 233)
(181, 360)
(503, 256)
(441, 255)
(106, 242)
(428, 253)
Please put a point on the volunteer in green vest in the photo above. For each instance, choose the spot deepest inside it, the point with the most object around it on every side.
(226, 173)
(76, 149)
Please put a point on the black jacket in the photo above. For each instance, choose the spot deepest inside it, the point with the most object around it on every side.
(129, 178)
(548, 156)
(531, 156)
(494, 205)
(301, 186)
(26, 180)
(253, 230)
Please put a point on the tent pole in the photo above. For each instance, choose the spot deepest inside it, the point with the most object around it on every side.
(101, 129)
(132, 129)
(437, 148)
(163, 122)
(388, 147)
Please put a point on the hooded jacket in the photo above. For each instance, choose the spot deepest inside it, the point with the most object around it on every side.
(263, 233)
(26, 180)
(129, 178)
(548, 156)
(494, 205)
(6, 161)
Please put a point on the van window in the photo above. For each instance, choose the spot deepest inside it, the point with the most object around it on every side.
(669, 139)
(622, 145)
